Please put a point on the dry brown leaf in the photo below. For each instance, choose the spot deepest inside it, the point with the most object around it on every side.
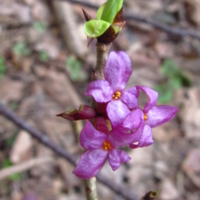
(191, 166)
(49, 44)
(10, 90)
(140, 171)
(189, 113)
(62, 89)
(40, 11)
(164, 50)
(21, 11)
(168, 190)
(22, 145)
(166, 133)
(142, 60)
(193, 10)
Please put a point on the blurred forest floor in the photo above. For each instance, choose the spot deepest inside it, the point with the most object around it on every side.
(45, 68)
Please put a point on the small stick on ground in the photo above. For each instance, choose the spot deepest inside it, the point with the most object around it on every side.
(5, 173)
(9, 114)
(68, 26)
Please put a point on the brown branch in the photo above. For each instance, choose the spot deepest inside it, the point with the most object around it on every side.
(163, 27)
(9, 114)
(66, 19)
(6, 112)
(160, 26)
(102, 55)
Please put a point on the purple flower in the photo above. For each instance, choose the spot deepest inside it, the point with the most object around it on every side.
(100, 145)
(151, 114)
(117, 72)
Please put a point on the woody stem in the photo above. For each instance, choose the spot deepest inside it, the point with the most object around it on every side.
(102, 55)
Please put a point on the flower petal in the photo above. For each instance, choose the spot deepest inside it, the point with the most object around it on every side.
(116, 157)
(160, 114)
(100, 90)
(90, 163)
(153, 96)
(133, 120)
(121, 137)
(118, 70)
(129, 97)
(100, 124)
(90, 138)
(146, 138)
(117, 111)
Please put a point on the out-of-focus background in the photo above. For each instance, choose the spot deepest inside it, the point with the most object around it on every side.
(45, 67)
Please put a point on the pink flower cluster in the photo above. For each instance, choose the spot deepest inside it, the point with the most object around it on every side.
(117, 120)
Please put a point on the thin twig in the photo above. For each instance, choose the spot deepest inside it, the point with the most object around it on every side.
(6, 112)
(4, 173)
(163, 27)
(91, 189)
(66, 19)
(160, 26)
(35, 133)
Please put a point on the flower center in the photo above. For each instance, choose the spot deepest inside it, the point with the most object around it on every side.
(145, 117)
(116, 95)
(107, 146)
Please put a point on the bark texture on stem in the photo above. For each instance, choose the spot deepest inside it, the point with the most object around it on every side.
(91, 189)
(102, 55)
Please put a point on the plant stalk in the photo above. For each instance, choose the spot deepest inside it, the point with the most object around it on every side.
(102, 55)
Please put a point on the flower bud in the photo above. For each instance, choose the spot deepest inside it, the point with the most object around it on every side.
(84, 112)
(108, 23)
(151, 195)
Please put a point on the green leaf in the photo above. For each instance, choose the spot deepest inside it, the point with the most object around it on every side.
(14, 105)
(111, 9)
(14, 177)
(43, 56)
(186, 82)
(100, 11)
(74, 68)
(21, 49)
(165, 93)
(169, 68)
(95, 28)
(176, 76)
(10, 141)
(2, 67)
(39, 26)
(6, 163)
(176, 82)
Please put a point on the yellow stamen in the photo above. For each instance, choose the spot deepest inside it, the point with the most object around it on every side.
(107, 146)
(145, 117)
(116, 95)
